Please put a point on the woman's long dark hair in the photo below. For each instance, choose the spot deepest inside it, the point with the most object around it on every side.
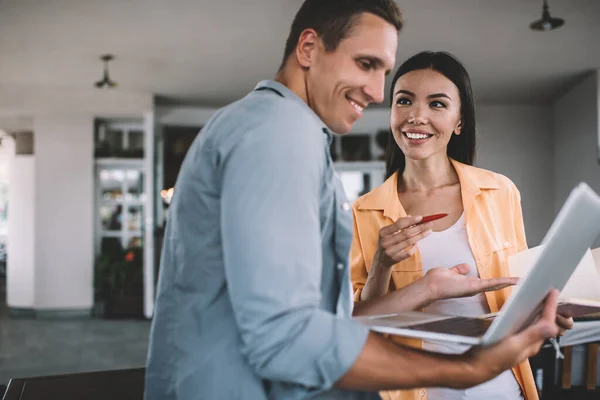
(461, 147)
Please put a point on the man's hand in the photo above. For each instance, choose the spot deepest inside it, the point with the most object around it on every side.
(564, 322)
(487, 362)
(445, 283)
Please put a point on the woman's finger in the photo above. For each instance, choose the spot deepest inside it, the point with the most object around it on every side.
(403, 223)
(404, 254)
(400, 224)
(394, 250)
(488, 285)
(405, 235)
(414, 230)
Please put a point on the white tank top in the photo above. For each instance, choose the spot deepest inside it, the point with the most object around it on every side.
(447, 249)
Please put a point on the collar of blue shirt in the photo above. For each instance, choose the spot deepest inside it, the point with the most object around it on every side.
(285, 92)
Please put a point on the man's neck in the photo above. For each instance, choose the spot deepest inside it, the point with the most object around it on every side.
(293, 78)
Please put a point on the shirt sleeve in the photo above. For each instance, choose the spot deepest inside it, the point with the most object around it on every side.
(518, 216)
(270, 199)
(358, 267)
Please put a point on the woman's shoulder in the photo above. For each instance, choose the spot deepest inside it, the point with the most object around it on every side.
(379, 197)
(487, 178)
(367, 202)
(365, 199)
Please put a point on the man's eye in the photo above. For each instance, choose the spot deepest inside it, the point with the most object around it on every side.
(366, 65)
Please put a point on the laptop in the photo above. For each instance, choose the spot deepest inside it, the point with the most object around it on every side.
(573, 231)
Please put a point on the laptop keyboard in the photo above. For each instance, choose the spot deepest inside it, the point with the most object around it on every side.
(463, 326)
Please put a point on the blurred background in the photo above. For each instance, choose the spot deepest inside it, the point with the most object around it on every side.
(100, 100)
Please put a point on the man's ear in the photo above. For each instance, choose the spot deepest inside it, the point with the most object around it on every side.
(308, 43)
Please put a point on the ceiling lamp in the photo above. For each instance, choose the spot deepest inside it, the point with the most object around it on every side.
(106, 82)
(547, 23)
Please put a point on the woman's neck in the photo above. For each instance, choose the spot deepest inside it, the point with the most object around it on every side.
(426, 175)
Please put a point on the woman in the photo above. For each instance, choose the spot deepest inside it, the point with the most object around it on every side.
(429, 157)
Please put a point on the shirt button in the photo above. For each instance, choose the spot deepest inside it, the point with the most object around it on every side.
(346, 206)
(506, 244)
(422, 393)
(340, 266)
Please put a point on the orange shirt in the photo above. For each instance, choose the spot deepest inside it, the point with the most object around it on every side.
(494, 221)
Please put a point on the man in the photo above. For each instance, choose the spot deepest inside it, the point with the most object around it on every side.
(254, 299)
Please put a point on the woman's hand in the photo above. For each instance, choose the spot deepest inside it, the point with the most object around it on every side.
(396, 241)
(445, 283)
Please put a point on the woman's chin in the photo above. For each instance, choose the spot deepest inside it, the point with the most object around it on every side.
(417, 155)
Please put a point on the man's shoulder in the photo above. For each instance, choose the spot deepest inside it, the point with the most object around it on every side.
(265, 108)
(262, 117)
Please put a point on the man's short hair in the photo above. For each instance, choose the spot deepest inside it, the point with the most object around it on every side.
(334, 19)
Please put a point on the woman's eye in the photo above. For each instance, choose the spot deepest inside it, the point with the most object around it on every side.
(403, 101)
(437, 104)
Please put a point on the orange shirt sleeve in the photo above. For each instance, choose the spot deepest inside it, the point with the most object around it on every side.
(518, 216)
(358, 267)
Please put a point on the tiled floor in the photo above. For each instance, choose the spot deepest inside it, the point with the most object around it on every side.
(33, 347)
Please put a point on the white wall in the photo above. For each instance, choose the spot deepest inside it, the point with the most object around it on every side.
(7, 153)
(184, 115)
(576, 129)
(373, 120)
(20, 268)
(517, 141)
(28, 100)
(16, 123)
(64, 226)
(58, 236)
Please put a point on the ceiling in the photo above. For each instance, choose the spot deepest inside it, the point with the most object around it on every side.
(212, 52)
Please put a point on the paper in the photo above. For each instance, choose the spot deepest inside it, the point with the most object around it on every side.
(596, 255)
(583, 284)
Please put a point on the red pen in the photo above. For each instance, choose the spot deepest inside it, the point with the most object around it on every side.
(432, 217)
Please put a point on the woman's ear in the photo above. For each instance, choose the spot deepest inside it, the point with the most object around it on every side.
(458, 129)
(306, 48)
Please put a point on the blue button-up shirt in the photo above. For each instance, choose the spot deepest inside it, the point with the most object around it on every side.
(254, 295)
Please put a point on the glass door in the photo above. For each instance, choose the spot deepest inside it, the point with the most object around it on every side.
(121, 200)
(119, 269)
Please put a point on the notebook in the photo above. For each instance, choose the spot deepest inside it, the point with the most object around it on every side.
(581, 294)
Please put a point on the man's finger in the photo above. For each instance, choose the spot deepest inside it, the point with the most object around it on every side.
(564, 322)
(547, 319)
(549, 310)
(545, 327)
